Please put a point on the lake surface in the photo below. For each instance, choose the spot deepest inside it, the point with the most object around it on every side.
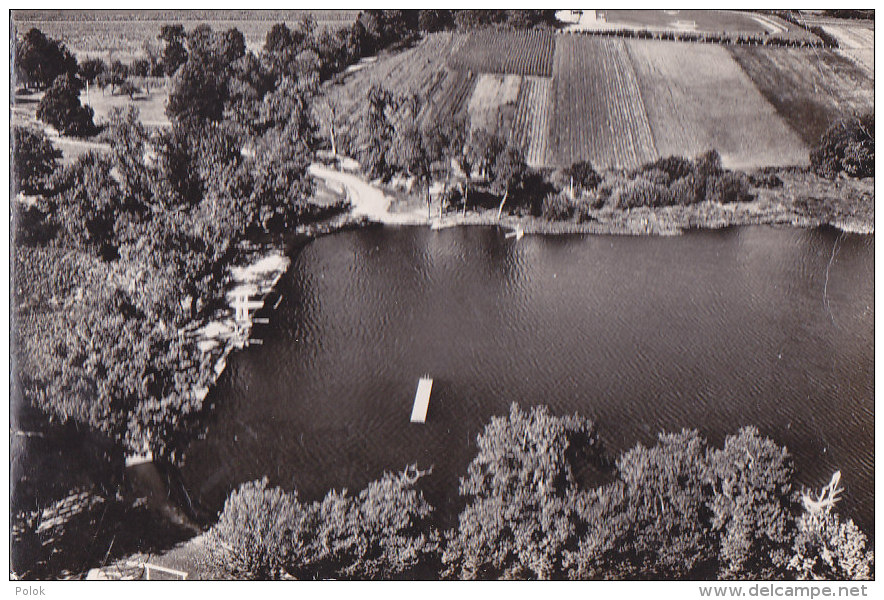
(711, 330)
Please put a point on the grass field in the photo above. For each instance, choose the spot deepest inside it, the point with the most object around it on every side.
(857, 41)
(122, 35)
(809, 89)
(493, 103)
(599, 114)
(698, 98)
(150, 102)
(690, 20)
(23, 113)
(508, 52)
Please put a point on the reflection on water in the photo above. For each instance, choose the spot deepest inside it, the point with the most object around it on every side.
(712, 330)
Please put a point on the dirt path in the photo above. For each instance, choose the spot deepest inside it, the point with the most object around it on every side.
(366, 200)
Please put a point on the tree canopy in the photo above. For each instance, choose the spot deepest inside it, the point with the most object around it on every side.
(39, 60)
(34, 160)
(61, 107)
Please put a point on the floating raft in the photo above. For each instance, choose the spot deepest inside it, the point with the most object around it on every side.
(422, 400)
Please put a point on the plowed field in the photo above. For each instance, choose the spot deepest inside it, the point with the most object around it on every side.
(508, 52)
(599, 115)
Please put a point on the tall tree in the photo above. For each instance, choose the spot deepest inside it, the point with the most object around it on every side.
(521, 496)
(752, 478)
(174, 50)
(38, 60)
(61, 107)
(375, 135)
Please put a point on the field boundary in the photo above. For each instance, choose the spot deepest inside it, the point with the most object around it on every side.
(724, 39)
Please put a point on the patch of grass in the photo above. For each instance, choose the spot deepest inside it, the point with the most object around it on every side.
(809, 89)
(699, 99)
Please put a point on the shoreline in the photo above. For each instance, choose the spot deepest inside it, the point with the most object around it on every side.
(802, 201)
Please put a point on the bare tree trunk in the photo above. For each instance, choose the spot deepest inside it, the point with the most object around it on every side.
(466, 196)
(502, 202)
(429, 202)
(444, 196)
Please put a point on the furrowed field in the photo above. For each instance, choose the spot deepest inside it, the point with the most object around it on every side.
(532, 120)
(599, 114)
(618, 102)
(698, 98)
(507, 52)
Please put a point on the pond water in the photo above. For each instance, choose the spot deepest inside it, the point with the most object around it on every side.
(710, 330)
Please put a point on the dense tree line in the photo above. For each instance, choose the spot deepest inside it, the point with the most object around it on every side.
(163, 210)
(381, 533)
(676, 510)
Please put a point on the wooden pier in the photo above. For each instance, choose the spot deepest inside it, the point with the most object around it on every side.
(422, 400)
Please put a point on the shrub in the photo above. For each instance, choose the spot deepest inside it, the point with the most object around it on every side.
(675, 167)
(260, 531)
(640, 192)
(708, 164)
(557, 207)
(584, 176)
(727, 186)
(847, 146)
(827, 548)
(61, 108)
(583, 210)
(129, 89)
(34, 159)
(765, 178)
(686, 190)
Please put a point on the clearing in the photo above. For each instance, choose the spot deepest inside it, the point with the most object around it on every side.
(493, 103)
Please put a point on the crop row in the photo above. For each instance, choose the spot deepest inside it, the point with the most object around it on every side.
(791, 38)
(530, 129)
(512, 52)
(599, 112)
